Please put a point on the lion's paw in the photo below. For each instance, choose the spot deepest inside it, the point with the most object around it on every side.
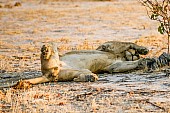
(91, 78)
(131, 55)
(23, 85)
(86, 78)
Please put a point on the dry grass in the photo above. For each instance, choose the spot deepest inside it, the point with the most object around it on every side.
(77, 97)
(78, 26)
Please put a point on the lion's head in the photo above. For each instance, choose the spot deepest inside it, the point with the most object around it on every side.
(119, 47)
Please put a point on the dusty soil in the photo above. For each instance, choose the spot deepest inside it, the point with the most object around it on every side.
(78, 25)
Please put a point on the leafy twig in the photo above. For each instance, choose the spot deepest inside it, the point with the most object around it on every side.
(159, 11)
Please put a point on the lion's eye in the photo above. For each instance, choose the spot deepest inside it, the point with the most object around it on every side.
(103, 47)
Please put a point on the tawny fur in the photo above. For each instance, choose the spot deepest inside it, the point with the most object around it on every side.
(83, 65)
(76, 65)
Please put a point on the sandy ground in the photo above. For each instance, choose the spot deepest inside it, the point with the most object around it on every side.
(76, 26)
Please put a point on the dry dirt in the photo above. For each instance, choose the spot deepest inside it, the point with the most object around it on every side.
(78, 25)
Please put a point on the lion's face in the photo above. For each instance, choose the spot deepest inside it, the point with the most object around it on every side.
(46, 51)
(106, 47)
(118, 47)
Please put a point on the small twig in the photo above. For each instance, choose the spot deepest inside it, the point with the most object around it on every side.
(153, 91)
(153, 104)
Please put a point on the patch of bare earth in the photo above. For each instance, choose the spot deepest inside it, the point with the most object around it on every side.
(79, 25)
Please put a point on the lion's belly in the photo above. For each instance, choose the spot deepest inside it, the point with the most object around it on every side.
(93, 62)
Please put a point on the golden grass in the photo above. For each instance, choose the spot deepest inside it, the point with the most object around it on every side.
(76, 97)
(25, 29)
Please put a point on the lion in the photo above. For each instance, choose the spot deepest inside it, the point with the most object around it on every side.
(84, 65)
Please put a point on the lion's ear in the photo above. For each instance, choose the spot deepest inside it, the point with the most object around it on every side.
(105, 48)
(99, 48)
(110, 48)
(42, 48)
(54, 47)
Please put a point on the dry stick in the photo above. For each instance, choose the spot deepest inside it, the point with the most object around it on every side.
(153, 104)
(93, 92)
(152, 91)
(147, 100)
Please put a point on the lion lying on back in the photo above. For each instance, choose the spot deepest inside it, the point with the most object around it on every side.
(83, 65)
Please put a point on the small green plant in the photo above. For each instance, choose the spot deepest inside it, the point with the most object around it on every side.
(159, 10)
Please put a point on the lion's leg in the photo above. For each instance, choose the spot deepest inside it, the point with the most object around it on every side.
(123, 66)
(37, 80)
(26, 84)
(86, 77)
(77, 75)
(139, 49)
(147, 64)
